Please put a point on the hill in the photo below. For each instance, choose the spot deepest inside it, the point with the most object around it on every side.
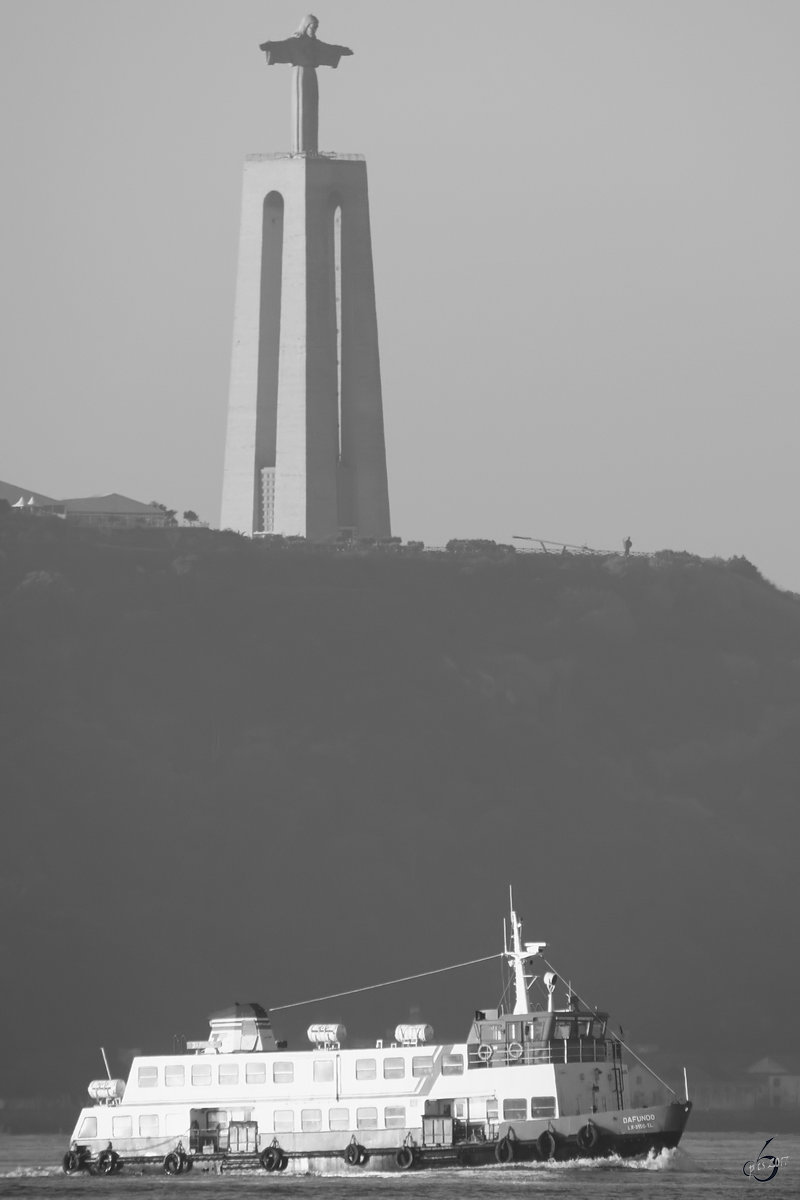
(241, 771)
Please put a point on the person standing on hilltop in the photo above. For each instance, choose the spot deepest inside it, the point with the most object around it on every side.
(627, 545)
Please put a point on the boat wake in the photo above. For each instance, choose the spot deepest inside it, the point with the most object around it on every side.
(49, 1172)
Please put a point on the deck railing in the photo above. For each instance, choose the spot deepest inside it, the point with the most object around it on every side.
(577, 1050)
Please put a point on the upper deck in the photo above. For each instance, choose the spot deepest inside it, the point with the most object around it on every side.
(568, 1036)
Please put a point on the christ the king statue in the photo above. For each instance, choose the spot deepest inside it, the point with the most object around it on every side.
(305, 53)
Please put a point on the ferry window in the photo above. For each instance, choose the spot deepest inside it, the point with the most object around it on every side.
(543, 1106)
(201, 1074)
(283, 1071)
(323, 1070)
(562, 1029)
(460, 1110)
(515, 1110)
(148, 1126)
(174, 1075)
(88, 1128)
(148, 1076)
(395, 1117)
(421, 1064)
(492, 1033)
(453, 1064)
(365, 1068)
(598, 1029)
(122, 1127)
(492, 1112)
(367, 1118)
(585, 1028)
(284, 1120)
(394, 1068)
(513, 1031)
(255, 1072)
(229, 1072)
(311, 1118)
(339, 1118)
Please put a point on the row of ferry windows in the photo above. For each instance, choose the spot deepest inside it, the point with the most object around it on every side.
(284, 1121)
(229, 1073)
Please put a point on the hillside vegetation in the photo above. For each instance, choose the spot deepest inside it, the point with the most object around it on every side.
(235, 771)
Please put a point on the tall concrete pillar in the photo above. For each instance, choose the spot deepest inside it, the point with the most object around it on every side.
(305, 391)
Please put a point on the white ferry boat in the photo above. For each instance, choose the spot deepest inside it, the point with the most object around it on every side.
(526, 1085)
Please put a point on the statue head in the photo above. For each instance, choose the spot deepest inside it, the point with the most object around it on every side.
(308, 26)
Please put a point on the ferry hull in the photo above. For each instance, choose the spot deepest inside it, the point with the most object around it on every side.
(627, 1133)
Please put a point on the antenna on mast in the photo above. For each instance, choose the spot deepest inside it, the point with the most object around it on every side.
(518, 955)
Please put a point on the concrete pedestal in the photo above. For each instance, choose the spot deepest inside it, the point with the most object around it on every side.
(305, 391)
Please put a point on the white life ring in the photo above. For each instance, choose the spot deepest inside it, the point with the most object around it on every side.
(514, 1051)
(485, 1052)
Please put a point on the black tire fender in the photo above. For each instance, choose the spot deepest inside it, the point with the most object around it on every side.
(546, 1145)
(107, 1162)
(173, 1164)
(504, 1150)
(404, 1158)
(72, 1162)
(352, 1154)
(588, 1136)
(270, 1158)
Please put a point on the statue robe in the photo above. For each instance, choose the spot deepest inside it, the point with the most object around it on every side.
(305, 54)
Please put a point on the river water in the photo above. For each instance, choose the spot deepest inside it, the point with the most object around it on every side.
(706, 1166)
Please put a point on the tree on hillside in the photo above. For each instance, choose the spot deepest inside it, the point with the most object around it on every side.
(170, 514)
(191, 516)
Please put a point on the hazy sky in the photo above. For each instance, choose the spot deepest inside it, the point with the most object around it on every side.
(585, 231)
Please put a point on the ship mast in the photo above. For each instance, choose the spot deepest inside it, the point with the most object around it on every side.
(518, 955)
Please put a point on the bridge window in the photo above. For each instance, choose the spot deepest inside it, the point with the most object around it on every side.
(255, 1072)
(311, 1119)
(366, 1068)
(491, 1032)
(148, 1077)
(148, 1125)
(174, 1075)
(88, 1128)
(122, 1127)
(201, 1074)
(228, 1073)
(323, 1070)
(395, 1117)
(421, 1064)
(339, 1118)
(283, 1120)
(492, 1111)
(515, 1110)
(394, 1068)
(543, 1106)
(367, 1118)
(453, 1064)
(283, 1071)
